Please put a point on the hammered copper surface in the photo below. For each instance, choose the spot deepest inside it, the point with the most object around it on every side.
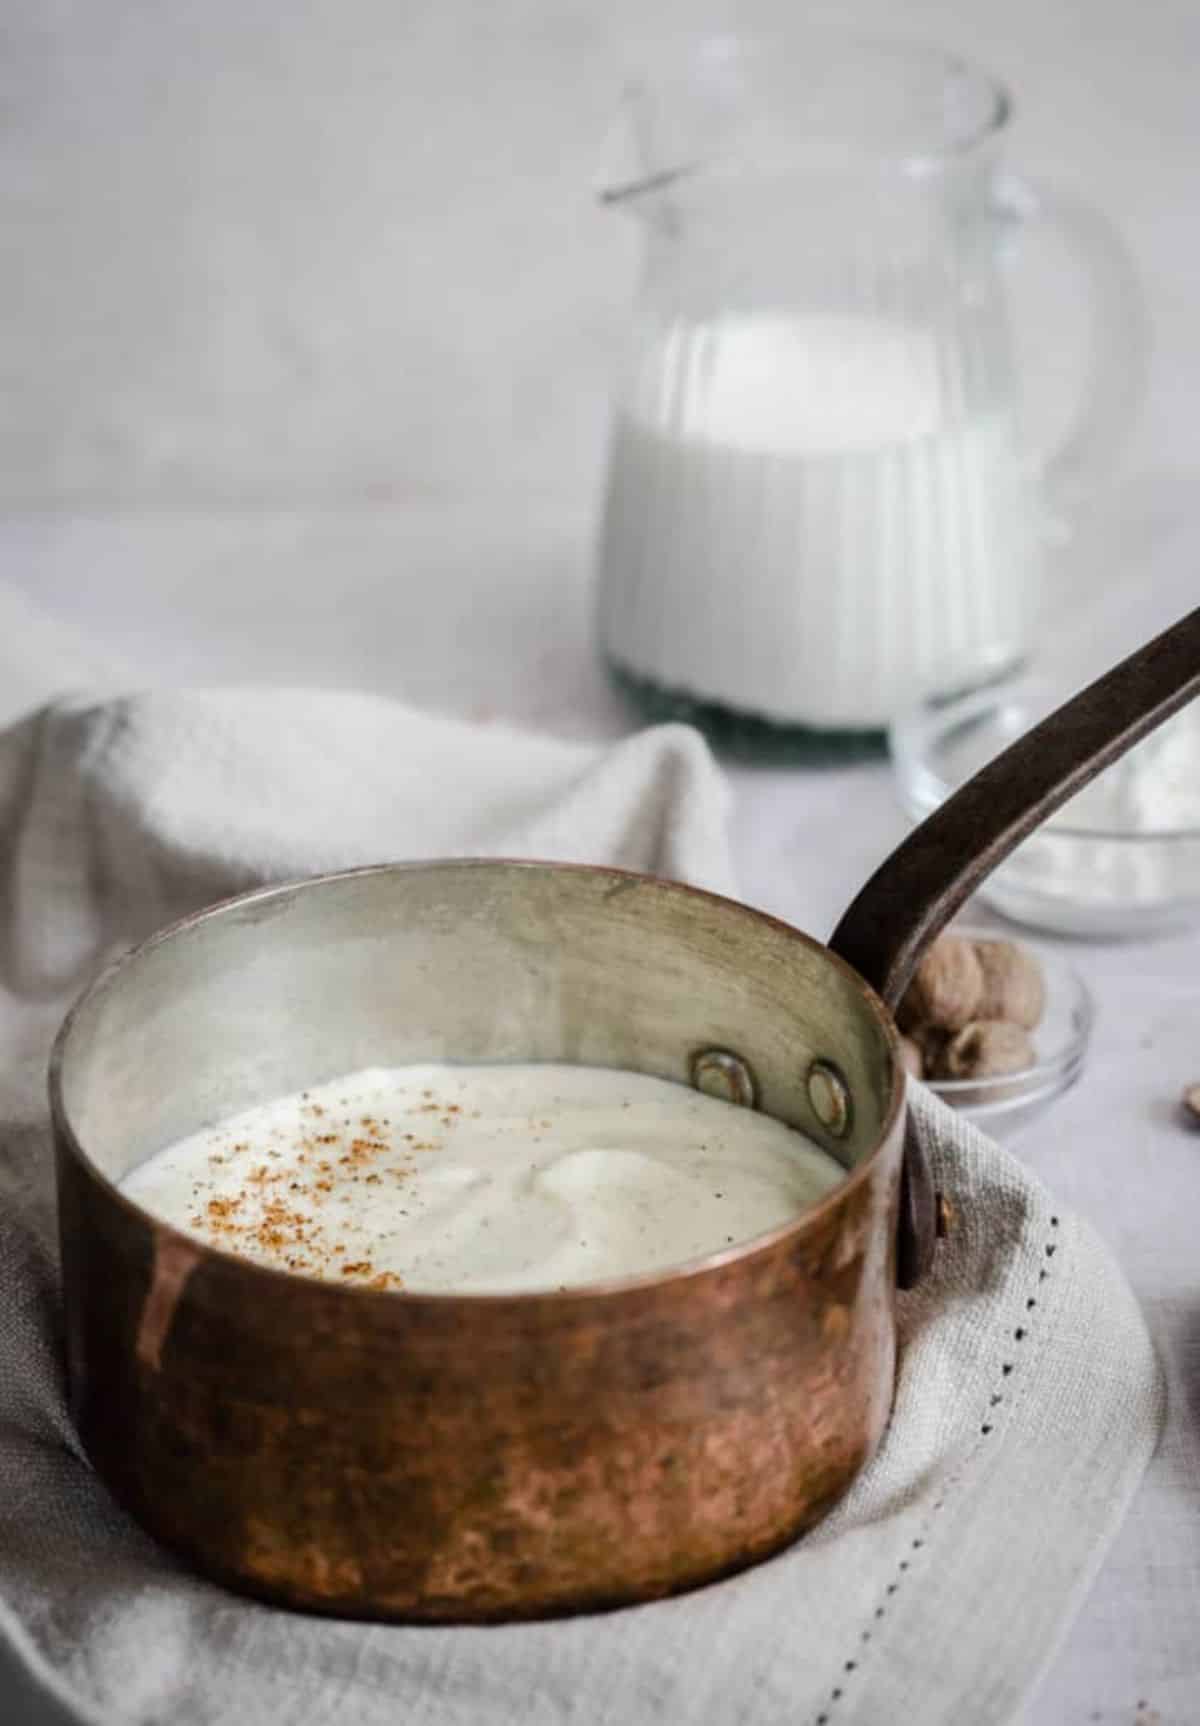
(442, 1457)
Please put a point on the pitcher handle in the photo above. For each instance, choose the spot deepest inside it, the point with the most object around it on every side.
(1118, 345)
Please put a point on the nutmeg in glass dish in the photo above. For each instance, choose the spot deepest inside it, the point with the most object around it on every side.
(996, 1027)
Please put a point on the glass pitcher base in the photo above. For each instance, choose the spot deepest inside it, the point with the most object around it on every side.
(749, 737)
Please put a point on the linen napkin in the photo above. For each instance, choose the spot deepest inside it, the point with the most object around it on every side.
(1028, 1401)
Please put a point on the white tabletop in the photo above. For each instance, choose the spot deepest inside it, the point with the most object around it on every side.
(450, 610)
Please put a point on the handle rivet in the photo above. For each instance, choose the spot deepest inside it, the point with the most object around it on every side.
(829, 1095)
(720, 1073)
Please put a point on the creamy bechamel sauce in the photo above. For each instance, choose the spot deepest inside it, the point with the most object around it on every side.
(484, 1178)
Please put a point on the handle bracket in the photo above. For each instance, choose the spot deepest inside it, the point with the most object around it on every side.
(911, 897)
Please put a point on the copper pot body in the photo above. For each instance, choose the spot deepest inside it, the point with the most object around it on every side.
(472, 1457)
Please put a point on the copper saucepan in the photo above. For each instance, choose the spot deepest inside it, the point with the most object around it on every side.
(447, 1456)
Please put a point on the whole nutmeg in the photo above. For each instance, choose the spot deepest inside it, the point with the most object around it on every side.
(985, 1049)
(1012, 983)
(946, 988)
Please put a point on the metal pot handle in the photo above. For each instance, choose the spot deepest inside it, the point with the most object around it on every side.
(914, 893)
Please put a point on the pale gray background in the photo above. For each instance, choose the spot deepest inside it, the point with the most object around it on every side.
(335, 264)
(307, 324)
(268, 251)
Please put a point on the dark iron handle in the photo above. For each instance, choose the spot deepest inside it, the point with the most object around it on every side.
(913, 894)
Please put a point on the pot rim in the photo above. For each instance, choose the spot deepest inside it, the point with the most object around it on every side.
(612, 1287)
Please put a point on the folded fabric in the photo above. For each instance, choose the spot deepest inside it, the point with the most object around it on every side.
(1028, 1400)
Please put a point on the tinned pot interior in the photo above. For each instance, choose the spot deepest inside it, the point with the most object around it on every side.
(258, 1432)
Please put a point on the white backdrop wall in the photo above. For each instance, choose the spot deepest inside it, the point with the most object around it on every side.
(257, 254)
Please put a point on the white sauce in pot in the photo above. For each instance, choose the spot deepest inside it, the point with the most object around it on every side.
(485, 1178)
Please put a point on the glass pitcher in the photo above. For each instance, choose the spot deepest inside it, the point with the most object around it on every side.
(819, 506)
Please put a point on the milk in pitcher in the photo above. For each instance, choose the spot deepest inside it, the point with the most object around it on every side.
(814, 520)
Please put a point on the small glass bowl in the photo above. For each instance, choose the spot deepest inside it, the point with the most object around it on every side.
(1072, 876)
(1002, 1105)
